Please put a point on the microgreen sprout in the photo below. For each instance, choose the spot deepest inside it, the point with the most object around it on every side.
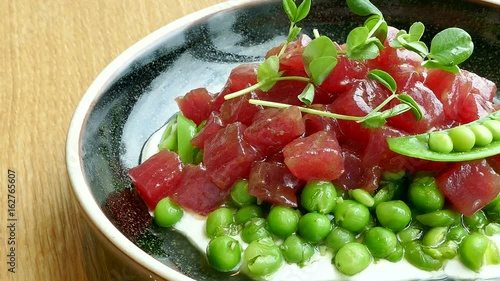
(449, 48)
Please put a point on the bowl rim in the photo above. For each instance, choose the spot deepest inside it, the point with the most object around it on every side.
(74, 159)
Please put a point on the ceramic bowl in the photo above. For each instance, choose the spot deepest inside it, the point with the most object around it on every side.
(133, 96)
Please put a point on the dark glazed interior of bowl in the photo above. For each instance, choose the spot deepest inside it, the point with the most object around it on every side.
(140, 100)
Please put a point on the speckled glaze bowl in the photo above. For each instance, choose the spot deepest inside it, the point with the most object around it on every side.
(134, 95)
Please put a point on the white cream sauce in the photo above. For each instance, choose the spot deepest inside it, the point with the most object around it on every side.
(320, 267)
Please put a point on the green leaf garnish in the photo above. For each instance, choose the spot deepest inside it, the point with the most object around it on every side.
(363, 8)
(377, 26)
(435, 64)
(379, 119)
(383, 78)
(416, 31)
(319, 58)
(307, 95)
(451, 46)
(321, 68)
(415, 108)
(290, 9)
(302, 10)
(267, 70)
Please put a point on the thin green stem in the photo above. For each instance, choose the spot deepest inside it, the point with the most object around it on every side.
(305, 109)
(379, 107)
(283, 49)
(375, 27)
(244, 91)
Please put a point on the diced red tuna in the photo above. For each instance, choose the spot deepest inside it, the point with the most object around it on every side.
(241, 77)
(272, 182)
(196, 105)
(239, 110)
(317, 156)
(213, 125)
(469, 186)
(157, 177)
(273, 128)
(228, 157)
(196, 192)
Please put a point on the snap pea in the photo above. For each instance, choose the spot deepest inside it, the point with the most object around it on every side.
(262, 257)
(418, 145)
(169, 136)
(319, 196)
(186, 130)
(447, 250)
(224, 253)
(283, 221)
(352, 258)
(296, 250)
(492, 228)
(239, 194)
(338, 237)
(443, 217)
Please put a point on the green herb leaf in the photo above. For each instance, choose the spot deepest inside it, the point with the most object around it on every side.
(377, 26)
(268, 70)
(416, 31)
(290, 9)
(360, 46)
(435, 64)
(307, 95)
(303, 10)
(294, 32)
(415, 107)
(383, 78)
(321, 68)
(451, 46)
(379, 119)
(363, 7)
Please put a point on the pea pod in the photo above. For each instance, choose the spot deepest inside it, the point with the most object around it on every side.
(439, 218)
(186, 130)
(418, 145)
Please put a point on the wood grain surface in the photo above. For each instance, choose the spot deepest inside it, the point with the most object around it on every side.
(50, 52)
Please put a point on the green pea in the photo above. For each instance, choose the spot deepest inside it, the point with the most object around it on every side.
(296, 250)
(254, 229)
(314, 227)
(167, 213)
(219, 222)
(494, 127)
(435, 236)
(463, 138)
(338, 237)
(352, 258)
(475, 222)
(440, 142)
(482, 134)
(472, 251)
(457, 234)
(247, 213)
(352, 215)
(425, 195)
(283, 221)
(380, 241)
(319, 196)
(409, 234)
(439, 218)
(262, 257)
(224, 253)
(239, 194)
(395, 215)
(397, 255)
(362, 196)
(415, 255)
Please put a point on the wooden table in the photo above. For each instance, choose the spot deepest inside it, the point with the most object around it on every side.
(50, 53)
